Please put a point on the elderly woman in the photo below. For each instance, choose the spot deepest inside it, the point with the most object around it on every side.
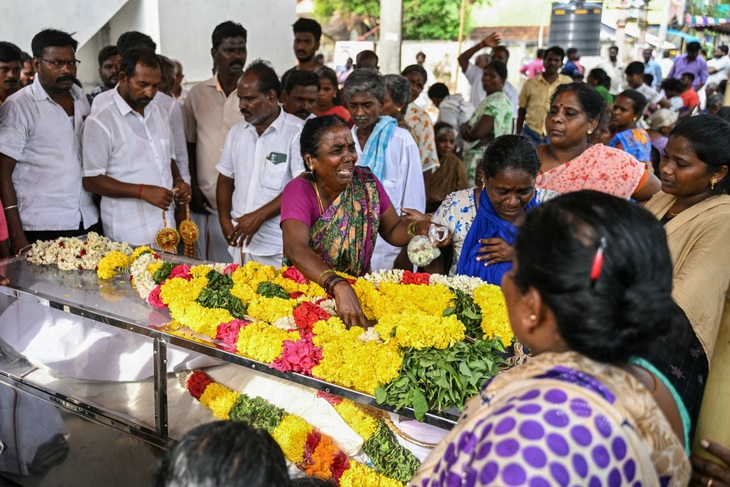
(694, 207)
(627, 110)
(332, 214)
(571, 163)
(492, 118)
(390, 153)
(590, 289)
(661, 123)
(397, 94)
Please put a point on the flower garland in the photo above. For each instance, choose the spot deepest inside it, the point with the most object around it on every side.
(70, 253)
(311, 451)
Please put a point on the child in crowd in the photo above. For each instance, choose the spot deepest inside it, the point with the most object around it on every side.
(451, 173)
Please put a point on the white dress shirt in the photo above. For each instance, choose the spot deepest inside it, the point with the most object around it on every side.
(120, 143)
(403, 181)
(46, 143)
(474, 75)
(261, 166)
(722, 65)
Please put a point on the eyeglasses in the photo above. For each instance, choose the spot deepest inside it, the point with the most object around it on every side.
(72, 63)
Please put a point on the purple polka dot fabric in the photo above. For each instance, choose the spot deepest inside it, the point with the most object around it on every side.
(550, 437)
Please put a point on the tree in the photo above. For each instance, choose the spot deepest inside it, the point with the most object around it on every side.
(422, 19)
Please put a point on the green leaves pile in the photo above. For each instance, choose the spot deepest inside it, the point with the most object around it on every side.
(467, 311)
(271, 290)
(442, 379)
(257, 412)
(218, 295)
(389, 456)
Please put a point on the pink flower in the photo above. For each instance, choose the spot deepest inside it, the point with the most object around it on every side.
(296, 276)
(230, 269)
(182, 270)
(300, 356)
(154, 298)
(228, 334)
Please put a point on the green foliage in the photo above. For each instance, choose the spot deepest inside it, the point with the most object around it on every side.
(389, 456)
(257, 412)
(218, 295)
(442, 379)
(467, 312)
(271, 290)
(422, 19)
(164, 272)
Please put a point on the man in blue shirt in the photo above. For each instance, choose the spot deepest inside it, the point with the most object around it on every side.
(652, 67)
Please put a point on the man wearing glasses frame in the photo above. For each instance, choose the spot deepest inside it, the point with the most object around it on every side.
(40, 153)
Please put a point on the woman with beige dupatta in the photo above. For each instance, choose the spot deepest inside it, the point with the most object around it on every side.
(590, 289)
(694, 208)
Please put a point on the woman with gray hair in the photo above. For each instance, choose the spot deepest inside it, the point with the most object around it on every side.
(661, 123)
(389, 151)
(395, 103)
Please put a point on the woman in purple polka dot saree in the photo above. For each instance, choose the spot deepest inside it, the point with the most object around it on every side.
(591, 288)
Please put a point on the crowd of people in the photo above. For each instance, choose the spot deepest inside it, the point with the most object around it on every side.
(540, 189)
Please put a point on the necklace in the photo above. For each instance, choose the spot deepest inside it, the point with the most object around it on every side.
(672, 214)
(319, 198)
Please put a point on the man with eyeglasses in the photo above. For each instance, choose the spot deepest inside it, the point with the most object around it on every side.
(40, 150)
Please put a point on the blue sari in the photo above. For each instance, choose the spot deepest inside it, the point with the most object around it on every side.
(487, 224)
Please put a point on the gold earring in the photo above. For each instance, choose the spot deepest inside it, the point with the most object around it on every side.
(590, 132)
(533, 317)
(713, 182)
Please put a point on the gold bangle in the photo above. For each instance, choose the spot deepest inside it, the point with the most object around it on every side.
(319, 279)
(410, 229)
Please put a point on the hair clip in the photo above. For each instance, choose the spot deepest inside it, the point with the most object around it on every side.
(598, 261)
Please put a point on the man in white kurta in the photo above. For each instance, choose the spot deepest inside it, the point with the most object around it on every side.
(128, 157)
(260, 156)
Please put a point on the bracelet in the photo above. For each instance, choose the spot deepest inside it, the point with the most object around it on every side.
(322, 274)
(331, 283)
(9, 207)
(20, 252)
(328, 281)
(139, 191)
(411, 228)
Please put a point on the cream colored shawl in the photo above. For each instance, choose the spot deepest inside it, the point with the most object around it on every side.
(699, 241)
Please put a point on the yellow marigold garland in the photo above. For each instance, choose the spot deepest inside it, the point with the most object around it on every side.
(495, 321)
(111, 264)
(263, 342)
(219, 399)
(361, 422)
(420, 330)
(359, 475)
(291, 435)
(270, 309)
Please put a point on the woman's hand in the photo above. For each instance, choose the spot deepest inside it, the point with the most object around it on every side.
(464, 132)
(4, 280)
(494, 250)
(708, 473)
(348, 306)
(411, 215)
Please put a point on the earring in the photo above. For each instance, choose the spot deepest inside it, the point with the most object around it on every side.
(713, 182)
(533, 317)
(590, 132)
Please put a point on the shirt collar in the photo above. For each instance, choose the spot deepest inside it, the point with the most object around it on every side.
(39, 93)
(124, 107)
(277, 124)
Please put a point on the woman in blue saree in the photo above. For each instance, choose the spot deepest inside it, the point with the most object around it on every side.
(510, 166)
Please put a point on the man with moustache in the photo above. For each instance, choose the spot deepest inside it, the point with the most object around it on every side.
(9, 69)
(40, 164)
(299, 96)
(210, 110)
(108, 71)
(260, 157)
(127, 155)
(27, 73)
(307, 33)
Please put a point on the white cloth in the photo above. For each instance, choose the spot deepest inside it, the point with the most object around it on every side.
(212, 244)
(513, 96)
(615, 72)
(38, 134)
(722, 65)
(177, 126)
(183, 94)
(403, 181)
(455, 111)
(652, 95)
(474, 75)
(261, 167)
(120, 143)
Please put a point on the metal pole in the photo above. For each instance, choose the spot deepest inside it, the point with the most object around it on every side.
(455, 67)
(391, 34)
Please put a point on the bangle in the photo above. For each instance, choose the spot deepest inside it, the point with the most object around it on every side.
(139, 191)
(322, 274)
(411, 228)
(9, 207)
(332, 282)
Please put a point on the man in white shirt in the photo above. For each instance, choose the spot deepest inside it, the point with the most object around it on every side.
(635, 81)
(128, 157)
(179, 93)
(299, 93)
(614, 68)
(501, 54)
(40, 150)
(473, 72)
(398, 167)
(261, 155)
(718, 67)
(210, 110)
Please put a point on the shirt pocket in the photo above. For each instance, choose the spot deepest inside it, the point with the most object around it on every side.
(274, 176)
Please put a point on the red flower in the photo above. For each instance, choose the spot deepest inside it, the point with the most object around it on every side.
(330, 398)
(62, 245)
(311, 444)
(82, 253)
(296, 294)
(228, 334)
(415, 278)
(296, 276)
(230, 269)
(340, 463)
(181, 270)
(197, 382)
(300, 356)
(307, 314)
